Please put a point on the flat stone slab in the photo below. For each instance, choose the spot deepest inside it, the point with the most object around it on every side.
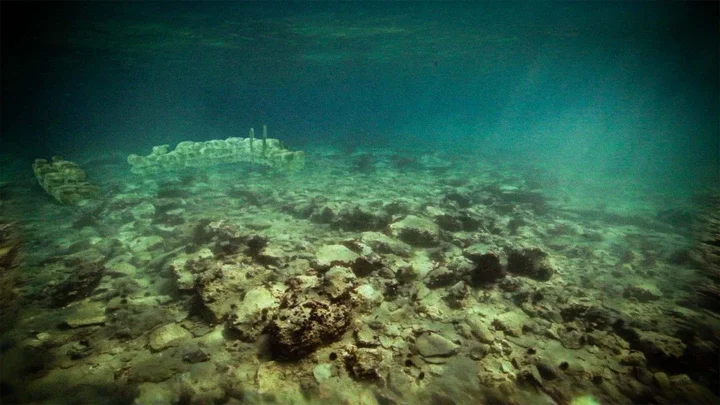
(87, 315)
(168, 335)
(431, 344)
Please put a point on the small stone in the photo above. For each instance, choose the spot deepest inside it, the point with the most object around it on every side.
(441, 277)
(143, 210)
(546, 370)
(168, 335)
(255, 300)
(116, 303)
(271, 256)
(366, 364)
(121, 269)
(322, 372)
(479, 351)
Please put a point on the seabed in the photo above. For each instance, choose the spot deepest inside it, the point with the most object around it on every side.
(367, 277)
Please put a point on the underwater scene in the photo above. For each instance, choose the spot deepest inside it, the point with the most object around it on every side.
(360, 203)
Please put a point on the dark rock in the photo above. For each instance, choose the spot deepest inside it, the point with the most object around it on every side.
(487, 270)
(80, 349)
(441, 277)
(255, 244)
(363, 267)
(323, 215)
(360, 219)
(78, 285)
(547, 371)
(195, 355)
(530, 262)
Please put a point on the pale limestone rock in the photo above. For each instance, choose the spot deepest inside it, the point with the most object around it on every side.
(322, 372)
(168, 335)
(369, 296)
(335, 255)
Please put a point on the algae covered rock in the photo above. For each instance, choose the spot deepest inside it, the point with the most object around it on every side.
(65, 181)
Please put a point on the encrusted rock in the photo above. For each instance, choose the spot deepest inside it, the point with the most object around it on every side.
(303, 324)
(338, 281)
